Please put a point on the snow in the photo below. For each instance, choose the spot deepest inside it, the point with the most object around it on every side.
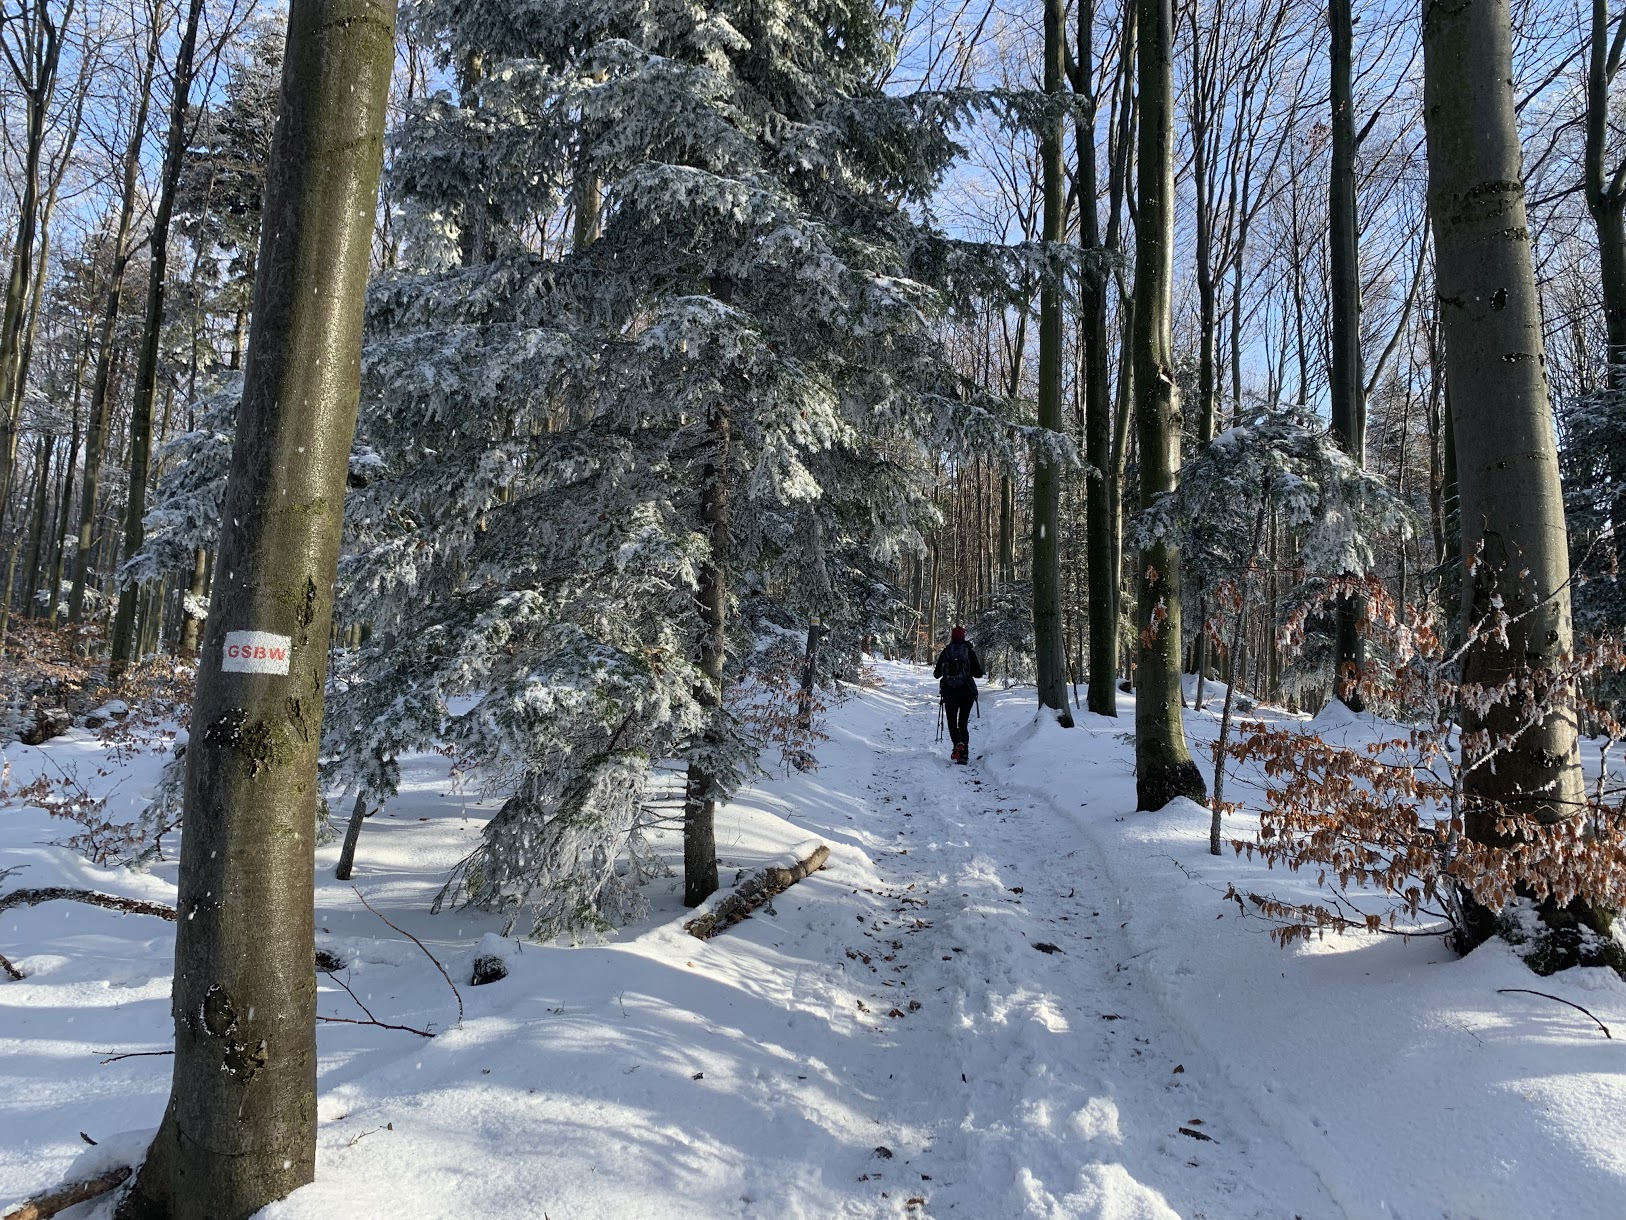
(762, 1073)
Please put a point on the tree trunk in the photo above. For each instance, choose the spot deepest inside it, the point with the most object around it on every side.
(1120, 164)
(36, 75)
(936, 597)
(359, 813)
(196, 589)
(65, 504)
(700, 787)
(1348, 397)
(240, 1128)
(1207, 297)
(100, 407)
(1605, 192)
(36, 528)
(1102, 695)
(1050, 661)
(1163, 767)
(1007, 528)
(1512, 508)
(146, 386)
(1606, 201)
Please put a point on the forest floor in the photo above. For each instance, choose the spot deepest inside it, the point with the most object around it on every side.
(1007, 995)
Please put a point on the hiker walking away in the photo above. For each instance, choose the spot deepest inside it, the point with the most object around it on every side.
(957, 669)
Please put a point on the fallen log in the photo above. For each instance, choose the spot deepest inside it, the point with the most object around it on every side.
(113, 902)
(751, 893)
(133, 906)
(42, 1207)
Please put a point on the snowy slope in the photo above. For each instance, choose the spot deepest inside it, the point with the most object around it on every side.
(886, 1041)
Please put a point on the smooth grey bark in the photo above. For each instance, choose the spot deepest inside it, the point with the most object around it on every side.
(1202, 122)
(1050, 660)
(1102, 600)
(1120, 165)
(146, 381)
(1347, 382)
(1512, 510)
(96, 433)
(1163, 766)
(240, 1127)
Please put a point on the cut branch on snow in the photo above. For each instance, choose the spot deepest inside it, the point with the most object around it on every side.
(63, 1197)
(755, 890)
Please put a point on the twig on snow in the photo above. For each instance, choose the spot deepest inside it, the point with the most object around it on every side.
(426, 953)
(371, 1020)
(115, 1056)
(1544, 995)
(406, 1029)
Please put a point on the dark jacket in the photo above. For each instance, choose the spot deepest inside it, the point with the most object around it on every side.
(965, 684)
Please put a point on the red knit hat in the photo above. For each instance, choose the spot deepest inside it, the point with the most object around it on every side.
(957, 634)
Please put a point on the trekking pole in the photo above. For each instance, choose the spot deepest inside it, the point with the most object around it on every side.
(939, 718)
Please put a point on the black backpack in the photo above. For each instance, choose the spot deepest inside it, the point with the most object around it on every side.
(957, 666)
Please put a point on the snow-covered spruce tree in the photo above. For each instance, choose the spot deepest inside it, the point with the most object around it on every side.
(1338, 511)
(1593, 457)
(594, 457)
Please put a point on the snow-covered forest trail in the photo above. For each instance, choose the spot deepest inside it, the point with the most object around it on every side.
(884, 1041)
(1037, 1078)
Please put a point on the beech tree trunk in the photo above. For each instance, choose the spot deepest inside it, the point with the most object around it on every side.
(1347, 385)
(146, 384)
(1120, 145)
(1163, 766)
(1512, 510)
(1050, 659)
(1102, 596)
(240, 1128)
(1203, 118)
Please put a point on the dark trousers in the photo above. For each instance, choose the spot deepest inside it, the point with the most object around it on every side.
(958, 705)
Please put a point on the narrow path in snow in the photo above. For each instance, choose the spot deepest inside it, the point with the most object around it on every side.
(1038, 1076)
